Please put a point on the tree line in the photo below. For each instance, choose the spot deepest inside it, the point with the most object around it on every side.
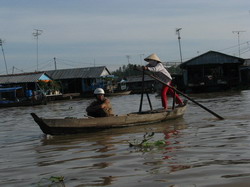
(129, 70)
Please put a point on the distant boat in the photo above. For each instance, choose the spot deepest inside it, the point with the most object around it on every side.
(14, 97)
(118, 93)
(119, 88)
(57, 126)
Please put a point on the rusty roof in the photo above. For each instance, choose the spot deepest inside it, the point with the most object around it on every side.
(22, 78)
(213, 57)
(88, 72)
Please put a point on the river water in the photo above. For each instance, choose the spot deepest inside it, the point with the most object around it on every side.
(199, 151)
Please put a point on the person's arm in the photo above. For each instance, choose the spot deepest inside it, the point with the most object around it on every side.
(107, 107)
(157, 68)
(95, 106)
(106, 104)
(161, 72)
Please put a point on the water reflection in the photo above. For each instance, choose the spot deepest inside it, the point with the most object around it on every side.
(200, 150)
(94, 152)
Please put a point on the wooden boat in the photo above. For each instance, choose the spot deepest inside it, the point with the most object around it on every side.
(57, 126)
(9, 98)
(127, 92)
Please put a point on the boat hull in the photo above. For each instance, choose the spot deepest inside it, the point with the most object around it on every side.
(118, 93)
(59, 126)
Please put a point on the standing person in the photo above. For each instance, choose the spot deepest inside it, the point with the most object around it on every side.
(155, 65)
(101, 107)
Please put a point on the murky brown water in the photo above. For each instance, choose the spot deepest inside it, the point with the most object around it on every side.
(200, 150)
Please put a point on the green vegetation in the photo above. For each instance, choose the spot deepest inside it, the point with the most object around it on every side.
(49, 86)
(153, 144)
(126, 70)
(129, 70)
(145, 144)
(175, 70)
(51, 181)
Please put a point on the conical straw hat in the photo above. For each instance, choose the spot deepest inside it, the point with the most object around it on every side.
(153, 57)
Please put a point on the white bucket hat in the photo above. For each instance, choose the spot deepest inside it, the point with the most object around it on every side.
(153, 57)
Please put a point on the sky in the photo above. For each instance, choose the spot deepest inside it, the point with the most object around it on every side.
(113, 33)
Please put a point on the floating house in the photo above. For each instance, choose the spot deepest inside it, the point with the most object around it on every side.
(22, 89)
(80, 81)
(211, 71)
(245, 74)
(134, 83)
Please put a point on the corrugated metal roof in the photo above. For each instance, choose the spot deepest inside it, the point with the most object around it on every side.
(212, 57)
(89, 72)
(21, 78)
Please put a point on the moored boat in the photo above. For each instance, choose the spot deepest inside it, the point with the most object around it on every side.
(15, 97)
(57, 126)
(127, 92)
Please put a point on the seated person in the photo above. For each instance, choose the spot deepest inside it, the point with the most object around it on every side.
(101, 107)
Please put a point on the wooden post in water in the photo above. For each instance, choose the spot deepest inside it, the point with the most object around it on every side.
(142, 92)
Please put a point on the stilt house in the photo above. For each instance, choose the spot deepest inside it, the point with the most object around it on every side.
(80, 80)
(211, 71)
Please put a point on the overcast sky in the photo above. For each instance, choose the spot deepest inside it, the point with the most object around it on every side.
(83, 33)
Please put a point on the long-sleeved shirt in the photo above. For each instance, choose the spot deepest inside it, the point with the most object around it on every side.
(160, 71)
(95, 110)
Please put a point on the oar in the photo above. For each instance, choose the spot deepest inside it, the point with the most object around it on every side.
(181, 93)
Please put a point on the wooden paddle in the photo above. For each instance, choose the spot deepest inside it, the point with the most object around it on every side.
(181, 93)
